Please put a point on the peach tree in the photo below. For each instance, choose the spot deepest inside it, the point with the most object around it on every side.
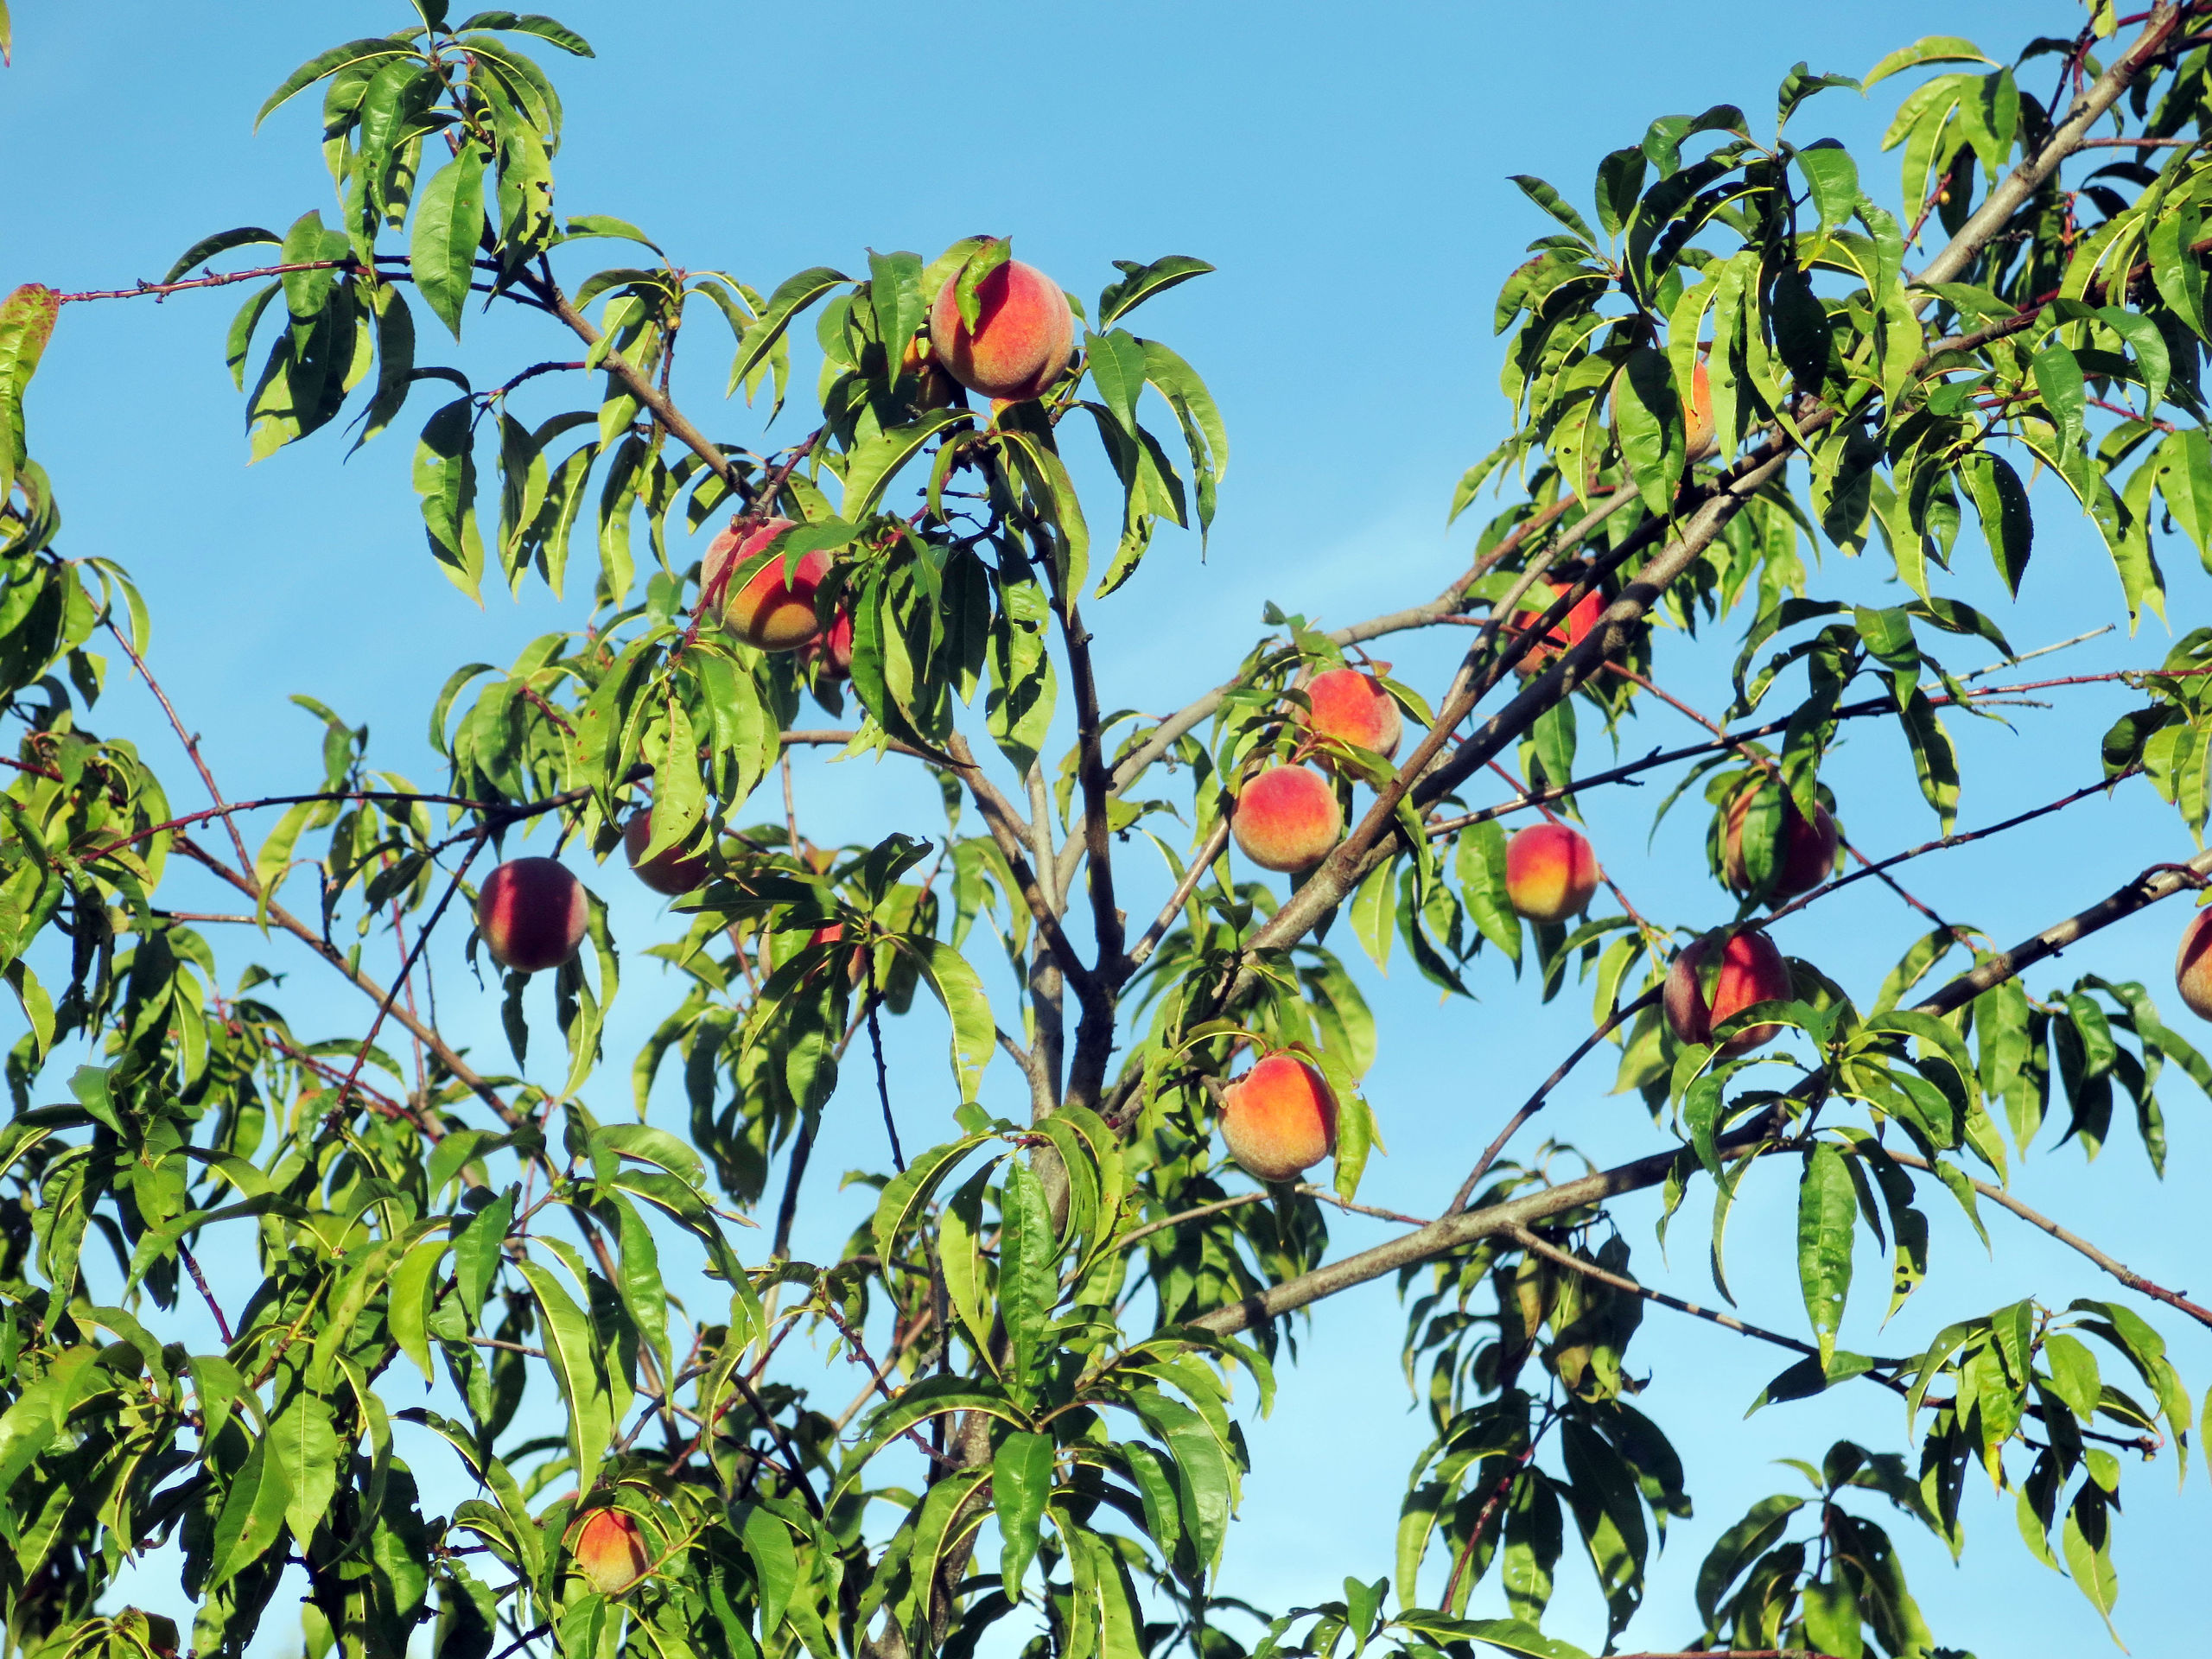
(1739, 343)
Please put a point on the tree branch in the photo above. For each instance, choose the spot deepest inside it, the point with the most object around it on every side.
(462, 1071)
(2127, 1276)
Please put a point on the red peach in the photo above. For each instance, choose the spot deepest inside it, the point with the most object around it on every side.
(855, 959)
(1286, 819)
(1550, 873)
(831, 655)
(611, 1552)
(2193, 965)
(1280, 1118)
(773, 611)
(531, 914)
(1023, 335)
(1752, 970)
(1352, 706)
(667, 871)
(1568, 631)
(1806, 851)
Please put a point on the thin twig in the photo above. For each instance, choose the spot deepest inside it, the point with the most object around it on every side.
(191, 743)
(1535, 1103)
(407, 967)
(200, 1279)
(2127, 1276)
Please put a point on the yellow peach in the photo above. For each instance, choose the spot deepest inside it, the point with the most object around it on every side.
(1280, 1118)
(1023, 335)
(1550, 873)
(1352, 706)
(1287, 818)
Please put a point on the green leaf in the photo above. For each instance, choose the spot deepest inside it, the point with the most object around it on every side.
(876, 460)
(967, 297)
(27, 320)
(1826, 1212)
(207, 248)
(448, 225)
(935, 1396)
(1141, 282)
(1833, 177)
(959, 988)
(326, 64)
(910, 1191)
(477, 1252)
(2175, 269)
(1021, 1479)
(2007, 521)
(792, 297)
(529, 22)
(1553, 203)
(2058, 378)
(251, 1518)
(1930, 48)
(2088, 1544)
(303, 1448)
(571, 1344)
(1028, 1285)
(1508, 1635)
(1738, 1547)
(445, 477)
(775, 1563)
(1620, 181)
(407, 1311)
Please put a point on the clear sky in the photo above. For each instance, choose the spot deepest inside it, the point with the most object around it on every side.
(1347, 171)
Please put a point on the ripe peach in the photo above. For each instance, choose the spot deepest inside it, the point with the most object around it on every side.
(1752, 970)
(1023, 335)
(1568, 631)
(1805, 852)
(855, 959)
(667, 871)
(1550, 872)
(772, 611)
(610, 1552)
(1286, 819)
(830, 656)
(1280, 1118)
(1698, 418)
(2193, 965)
(531, 914)
(1352, 706)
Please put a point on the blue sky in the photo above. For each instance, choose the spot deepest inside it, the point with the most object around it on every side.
(1347, 171)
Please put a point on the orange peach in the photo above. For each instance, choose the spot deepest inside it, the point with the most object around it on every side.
(1023, 335)
(774, 610)
(1805, 852)
(531, 914)
(2193, 965)
(1550, 873)
(1568, 631)
(1280, 1118)
(1698, 421)
(611, 1552)
(668, 871)
(1752, 970)
(1352, 706)
(1287, 818)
